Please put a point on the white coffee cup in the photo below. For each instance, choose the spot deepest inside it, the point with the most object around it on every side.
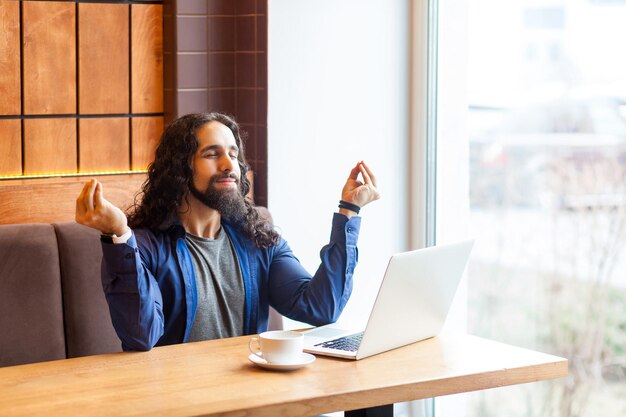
(279, 347)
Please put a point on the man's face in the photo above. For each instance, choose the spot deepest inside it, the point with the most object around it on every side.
(216, 172)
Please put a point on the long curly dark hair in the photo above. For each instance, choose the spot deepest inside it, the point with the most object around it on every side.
(171, 173)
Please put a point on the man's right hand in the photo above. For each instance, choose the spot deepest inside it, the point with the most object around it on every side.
(93, 210)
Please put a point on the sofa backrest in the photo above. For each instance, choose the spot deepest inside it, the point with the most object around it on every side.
(51, 300)
(88, 327)
(31, 308)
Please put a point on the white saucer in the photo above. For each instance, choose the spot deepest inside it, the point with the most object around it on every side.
(305, 359)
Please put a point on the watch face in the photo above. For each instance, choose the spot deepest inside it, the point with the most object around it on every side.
(106, 239)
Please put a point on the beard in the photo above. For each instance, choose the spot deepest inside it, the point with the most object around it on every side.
(230, 203)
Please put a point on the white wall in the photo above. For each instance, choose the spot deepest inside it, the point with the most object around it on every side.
(338, 93)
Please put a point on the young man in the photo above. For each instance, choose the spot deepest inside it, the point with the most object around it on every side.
(194, 260)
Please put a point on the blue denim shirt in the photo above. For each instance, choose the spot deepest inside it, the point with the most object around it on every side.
(150, 285)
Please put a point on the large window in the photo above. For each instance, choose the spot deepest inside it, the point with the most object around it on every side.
(545, 141)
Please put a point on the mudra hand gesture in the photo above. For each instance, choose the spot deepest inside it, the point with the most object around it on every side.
(357, 192)
(93, 210)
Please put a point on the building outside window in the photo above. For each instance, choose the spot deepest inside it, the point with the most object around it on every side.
(545, 132)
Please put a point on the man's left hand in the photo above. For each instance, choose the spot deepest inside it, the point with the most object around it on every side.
(357, 192)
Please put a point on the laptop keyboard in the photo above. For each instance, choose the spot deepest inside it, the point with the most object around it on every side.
(348, 343)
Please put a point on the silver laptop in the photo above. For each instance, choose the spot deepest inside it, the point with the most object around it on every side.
(412, 304)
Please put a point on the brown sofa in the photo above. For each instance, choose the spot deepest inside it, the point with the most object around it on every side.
(51, 301)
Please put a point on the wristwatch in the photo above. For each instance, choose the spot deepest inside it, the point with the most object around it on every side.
(104, 238)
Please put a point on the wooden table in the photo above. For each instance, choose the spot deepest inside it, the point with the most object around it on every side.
(215, 378)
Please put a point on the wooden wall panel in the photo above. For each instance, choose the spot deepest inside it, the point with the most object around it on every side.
(54, 199)
(103, 58)
(10, 58)
(119, 48)
(104, 144)
(146, 134)
(49, 57)
(49, 146)
(147, 58)
(10, 147)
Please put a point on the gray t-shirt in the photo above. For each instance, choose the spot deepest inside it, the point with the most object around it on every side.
(221, 294)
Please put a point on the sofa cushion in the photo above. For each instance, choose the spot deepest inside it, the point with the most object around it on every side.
(31, 317)
(88, 327)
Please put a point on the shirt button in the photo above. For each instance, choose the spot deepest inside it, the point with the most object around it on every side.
(350, 230)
